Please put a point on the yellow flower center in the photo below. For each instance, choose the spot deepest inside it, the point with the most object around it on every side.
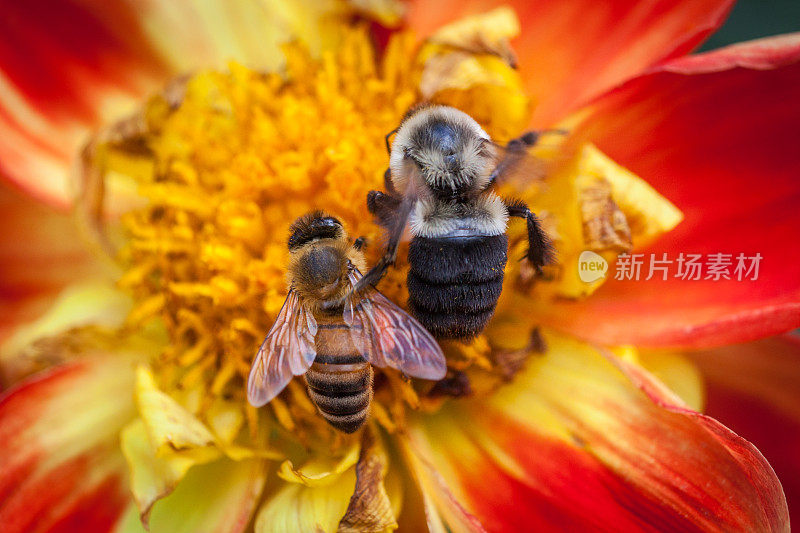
(231, 159)
(241, 156)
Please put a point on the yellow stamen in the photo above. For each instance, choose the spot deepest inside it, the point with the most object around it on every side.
(245, 153)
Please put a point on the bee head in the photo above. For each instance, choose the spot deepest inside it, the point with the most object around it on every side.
(446, 147)
(318, 246)
(314, 226)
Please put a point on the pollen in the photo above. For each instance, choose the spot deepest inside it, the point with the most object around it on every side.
(227, 160)
(242, 156)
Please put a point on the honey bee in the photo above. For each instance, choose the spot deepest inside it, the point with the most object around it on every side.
(332, 339)
(441, 168)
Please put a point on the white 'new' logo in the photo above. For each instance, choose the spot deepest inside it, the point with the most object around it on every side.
(591, 266)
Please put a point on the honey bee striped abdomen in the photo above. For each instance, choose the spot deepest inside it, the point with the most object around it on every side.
(340, 379)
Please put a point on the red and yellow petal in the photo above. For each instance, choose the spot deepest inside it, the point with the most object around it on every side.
(582, 439)
(64, 67)
(40, 253)
(59, 447)
(753, 389)
(570, 51)
(442, 509)
(68, 66)
(717, 135)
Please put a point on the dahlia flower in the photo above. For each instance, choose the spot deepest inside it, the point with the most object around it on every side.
(153, 155)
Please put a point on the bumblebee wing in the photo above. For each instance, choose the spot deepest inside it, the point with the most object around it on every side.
(517, 167)
(388, 336)
(288, 350)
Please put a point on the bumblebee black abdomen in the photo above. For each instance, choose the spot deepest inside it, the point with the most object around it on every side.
(455, 282)
(340, 380)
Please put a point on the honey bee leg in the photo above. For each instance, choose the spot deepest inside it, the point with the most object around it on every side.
(540, 249)
(360, 243)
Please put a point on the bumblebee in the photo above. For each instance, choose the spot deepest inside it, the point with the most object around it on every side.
(442, 167)
(332, 339)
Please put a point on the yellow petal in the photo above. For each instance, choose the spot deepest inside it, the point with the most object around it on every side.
(589, 204)
(443, 510)
(485, 85)
(169, 425)
(649, 214)
(484, 33)
(153, 477)
(469, 65)
(219, 497)
(95, 303)
(168, 440)
(320, 471)
(209, 34)
(225, 418)
(355, 492)
(678, 373)
(303, 508)
(163, 445)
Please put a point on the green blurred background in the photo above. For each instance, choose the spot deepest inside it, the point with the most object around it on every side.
(751, 19)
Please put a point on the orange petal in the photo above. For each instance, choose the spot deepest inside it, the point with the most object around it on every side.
(585, 441)
(572, 50)
(753, 389)
(717, 135)
(59, 449)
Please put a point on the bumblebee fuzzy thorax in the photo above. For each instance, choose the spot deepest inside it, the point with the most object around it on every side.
(446, 148)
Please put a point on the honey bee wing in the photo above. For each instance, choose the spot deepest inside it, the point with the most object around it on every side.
(388, 336)
(287, 351)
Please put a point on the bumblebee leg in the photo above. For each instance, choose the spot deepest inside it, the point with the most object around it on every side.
(397, 226)
(382, 206)
(516, 148)
(540, 249)
(374, 274)
(387, 182)
(360, 243)
(530, 138)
